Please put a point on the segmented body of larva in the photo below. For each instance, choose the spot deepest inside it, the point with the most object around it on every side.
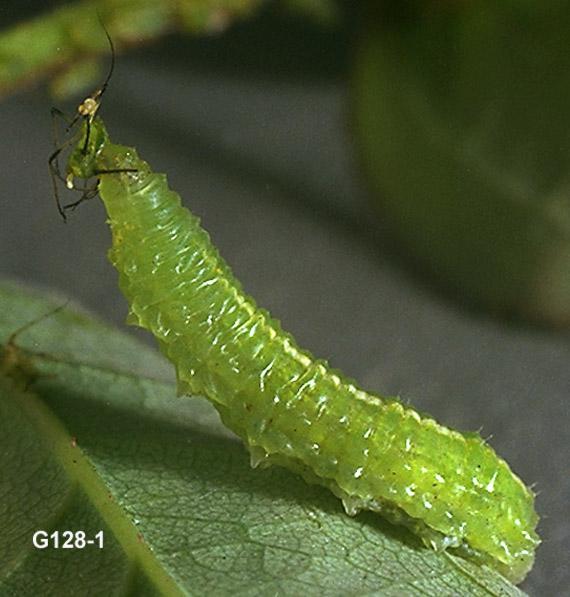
(290, 408)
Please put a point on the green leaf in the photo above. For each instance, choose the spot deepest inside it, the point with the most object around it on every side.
(67, 39)
(93, 438)
(462, 118)
(322, 11)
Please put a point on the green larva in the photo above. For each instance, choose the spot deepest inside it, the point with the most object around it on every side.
(289, 408)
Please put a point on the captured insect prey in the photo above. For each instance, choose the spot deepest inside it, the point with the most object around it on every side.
(289, 408)
(86, 112)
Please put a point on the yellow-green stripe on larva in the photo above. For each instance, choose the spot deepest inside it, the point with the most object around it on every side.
(289, 408)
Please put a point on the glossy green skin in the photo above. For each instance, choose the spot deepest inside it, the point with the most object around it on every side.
(288, 407)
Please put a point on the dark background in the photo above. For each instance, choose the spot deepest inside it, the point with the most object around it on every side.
(253, 130)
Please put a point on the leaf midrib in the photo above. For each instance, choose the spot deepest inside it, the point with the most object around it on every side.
(83, 475)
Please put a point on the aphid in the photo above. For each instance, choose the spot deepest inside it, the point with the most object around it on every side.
(86, 112)
(289, 408)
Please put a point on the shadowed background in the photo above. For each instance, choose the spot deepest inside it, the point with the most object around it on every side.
(253, 131)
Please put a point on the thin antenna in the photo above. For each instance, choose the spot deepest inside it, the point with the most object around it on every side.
(112, 67)
(90, 105)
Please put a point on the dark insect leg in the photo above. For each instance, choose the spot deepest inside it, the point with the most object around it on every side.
(55, 114)
(53, 160)
(72, 123)
(115, 171)
(55, 174)
(59, 146)
(53, 164)
(87, 194)
(85, 197)
(90, 192)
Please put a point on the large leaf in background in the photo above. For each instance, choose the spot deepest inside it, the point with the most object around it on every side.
(462, 115)
(98, 441)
